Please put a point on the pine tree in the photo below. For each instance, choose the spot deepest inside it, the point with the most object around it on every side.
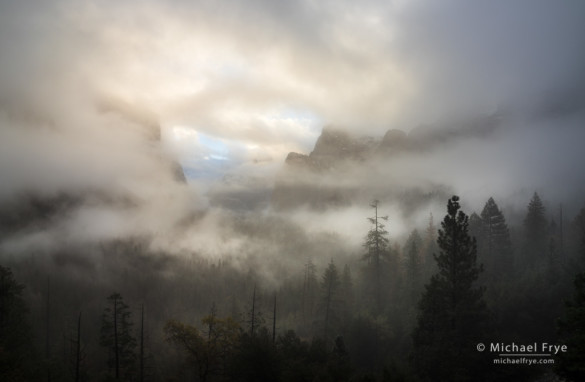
(553, 251)
(310, 290)
(535, 231)
(413, 263)
(330, 300)
(48, 330)
(452, 312)
(496, 246)
(476, 228)
(376, 244)
(141, 354)
(578, 228)
(78, 350)
(429, 248)
(571, 365)
(16, 350)
(274, 321)
(116, 336)
(346, 291)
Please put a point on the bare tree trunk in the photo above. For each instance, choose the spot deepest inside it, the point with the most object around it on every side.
(48, 331)
(304, 295)
(210, 327)
(274, 322)
(377, 261)
(327, 307)
(561, 229)
(253, 318)
(116, 351)
(142, 345)
(78, 352)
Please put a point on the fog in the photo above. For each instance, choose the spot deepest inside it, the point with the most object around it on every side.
(84, 85)
(189, 154)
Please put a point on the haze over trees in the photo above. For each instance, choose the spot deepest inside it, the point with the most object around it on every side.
(327, 323)
(263, 191)
(331, 300)
(378, 302)
(535, 231)
(495, 243)
(377, 257)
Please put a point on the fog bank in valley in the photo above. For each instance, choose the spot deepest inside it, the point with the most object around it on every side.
(490, 99)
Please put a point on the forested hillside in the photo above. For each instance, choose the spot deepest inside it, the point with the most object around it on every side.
(121, 309)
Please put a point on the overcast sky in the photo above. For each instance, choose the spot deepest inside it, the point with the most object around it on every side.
(236, 85)
(264, 76)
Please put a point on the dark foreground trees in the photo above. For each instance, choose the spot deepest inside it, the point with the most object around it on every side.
(17, 358)
(330, 301)
(116, 336)
(336, 339)
(452, 313)
(208, 353)
(571, 365)
(224, 351)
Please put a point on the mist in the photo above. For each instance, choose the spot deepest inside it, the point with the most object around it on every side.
(99, 113)
(177, 140)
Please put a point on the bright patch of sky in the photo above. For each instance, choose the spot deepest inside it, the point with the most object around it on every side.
(216, 148)
(202, 156)
(206, 156)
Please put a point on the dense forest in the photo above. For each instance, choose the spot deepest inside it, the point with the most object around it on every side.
(396, 311)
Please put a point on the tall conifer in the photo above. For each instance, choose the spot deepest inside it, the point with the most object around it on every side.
(496, 247)
(452, 313)
(535, 231)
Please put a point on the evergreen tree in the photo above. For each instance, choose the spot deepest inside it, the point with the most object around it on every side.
(452, 312)
(16, 350)
(496, 246)
(376, 244)
(310, 292)
(578, 228)
(330, 300)
(255, 358)
(274, 320)
(413, 263)
(476, 229)
(553, 254)
(571, 365)
(346, 291)
(116, 336)
(429, 248)
(535, 231)
(78, 355)
(476, 226)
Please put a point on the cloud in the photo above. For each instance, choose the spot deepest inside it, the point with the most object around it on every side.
(473, 57)
(262, 78)
(370, 66)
